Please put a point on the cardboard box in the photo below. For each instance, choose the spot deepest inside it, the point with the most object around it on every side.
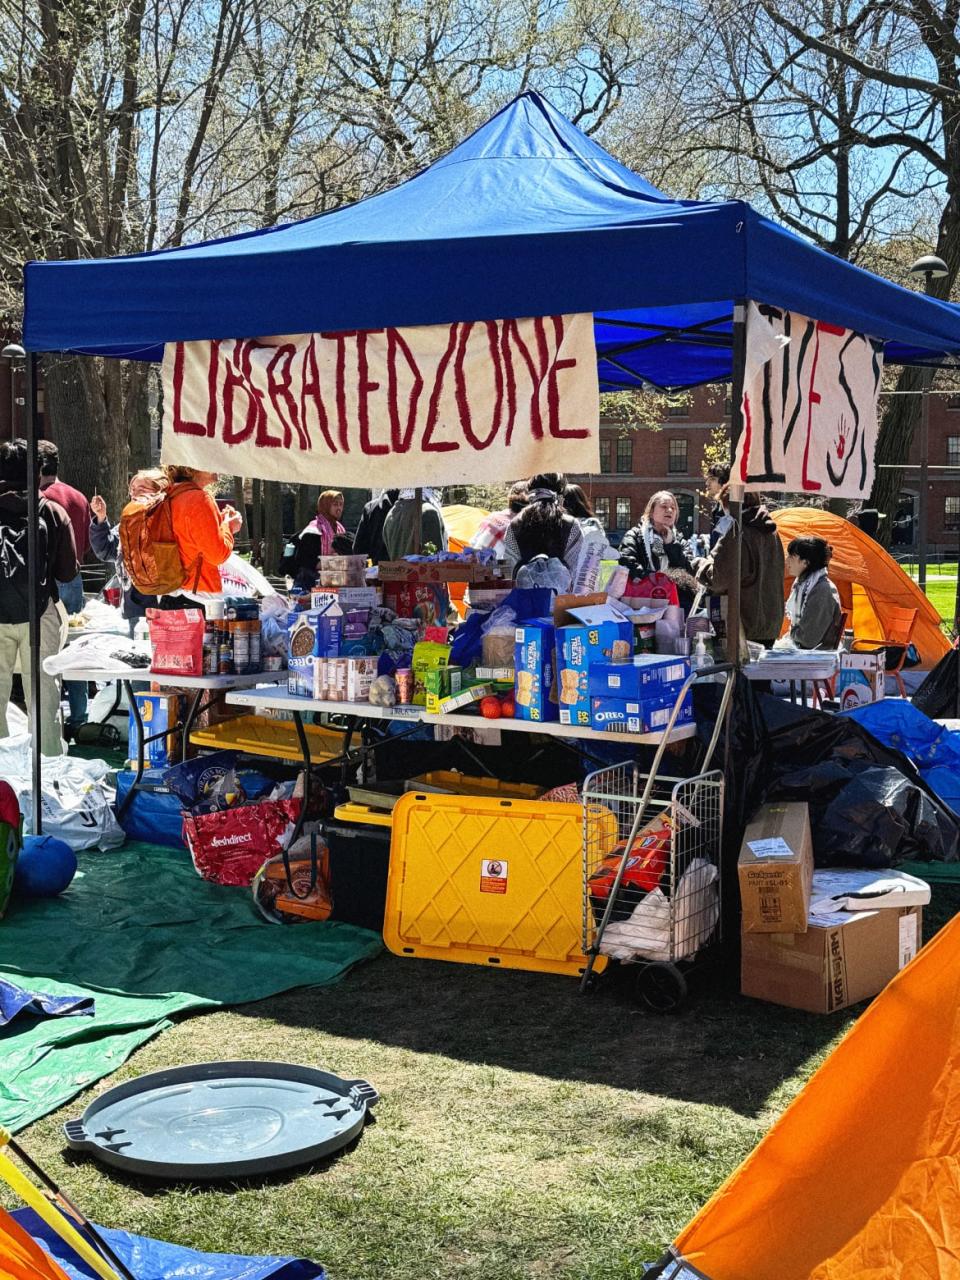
(534, 655)
(440, 683)
(159, 712)
(861, 679)
(647, 674)
(775, 870)
(589, 631)
(427, 602)
(348, 597)
(841, 959)
(344, 679)
(644, 715)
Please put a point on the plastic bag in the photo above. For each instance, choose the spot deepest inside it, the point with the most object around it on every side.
(655, 586)
(198, 783)
(545, 572)
(231, 846)
(76, 798)
(176, 637)
(939, 695)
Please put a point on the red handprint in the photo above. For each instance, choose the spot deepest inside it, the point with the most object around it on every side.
(842, 432)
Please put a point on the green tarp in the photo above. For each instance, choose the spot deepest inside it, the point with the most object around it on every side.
(143, 934)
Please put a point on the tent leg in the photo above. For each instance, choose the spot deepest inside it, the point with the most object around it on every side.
(31, 429)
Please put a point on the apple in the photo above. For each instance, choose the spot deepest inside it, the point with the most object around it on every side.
(490, 707)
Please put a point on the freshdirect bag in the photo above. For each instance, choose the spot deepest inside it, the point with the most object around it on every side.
(177, 639)
(230, 846)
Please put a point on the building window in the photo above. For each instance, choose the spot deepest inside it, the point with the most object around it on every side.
(601, 509)
(624, 455)
(728, 407)
(677, 464)
(951, 513)
(953, 451)
(678, 411)
(953, 402)
(606, 453)
(623, 513)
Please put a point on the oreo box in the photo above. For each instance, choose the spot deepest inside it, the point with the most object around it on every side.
(647, 675)
(643, 715)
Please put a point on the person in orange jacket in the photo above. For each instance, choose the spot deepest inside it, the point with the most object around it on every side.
(203, 532)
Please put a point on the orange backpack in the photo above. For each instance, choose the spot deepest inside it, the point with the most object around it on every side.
(149, 547)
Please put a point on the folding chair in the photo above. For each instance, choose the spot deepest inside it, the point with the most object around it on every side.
(899, 628)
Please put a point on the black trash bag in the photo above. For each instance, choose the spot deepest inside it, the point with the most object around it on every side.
(939, 695)
(879, 819)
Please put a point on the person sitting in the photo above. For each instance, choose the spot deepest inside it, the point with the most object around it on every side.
(105, 542)
(543, 529)
(813, 605)
(655, 546)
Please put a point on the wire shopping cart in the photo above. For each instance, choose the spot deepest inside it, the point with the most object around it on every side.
(654, 898)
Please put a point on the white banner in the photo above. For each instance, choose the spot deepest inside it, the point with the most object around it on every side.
(809, 406)
(441, 404)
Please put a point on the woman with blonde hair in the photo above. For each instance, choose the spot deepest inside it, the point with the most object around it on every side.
(105, 541)
(655, 546)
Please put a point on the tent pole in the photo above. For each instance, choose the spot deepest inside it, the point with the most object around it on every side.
(736, 489)
(33, 597)
(418, 522)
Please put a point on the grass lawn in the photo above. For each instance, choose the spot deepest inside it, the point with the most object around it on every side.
(942, 593)
(524, 1130)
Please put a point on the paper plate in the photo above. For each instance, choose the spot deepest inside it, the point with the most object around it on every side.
(218, 1120)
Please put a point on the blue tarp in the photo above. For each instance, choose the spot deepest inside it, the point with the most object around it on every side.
(156, 1260)
(528, 216)
(934, 749)
(15, 1000)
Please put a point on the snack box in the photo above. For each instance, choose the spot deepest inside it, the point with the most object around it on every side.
(535, 678)
(348, 597)
(428, 602)
(344, 679)
(647, 674)
(457, 701)
(427, 656)
(644, 715)
(597, 634)
(440, 683)
(160, 713)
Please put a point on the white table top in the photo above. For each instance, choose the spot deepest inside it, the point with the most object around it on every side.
(281, 700)
(812, 666)
(180, 682)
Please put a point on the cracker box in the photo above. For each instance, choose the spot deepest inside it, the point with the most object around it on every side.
(645, 675)
(160, 713)
(775, 869)
(534, 673)
(861, 679)
(638, 715)
(587, 635)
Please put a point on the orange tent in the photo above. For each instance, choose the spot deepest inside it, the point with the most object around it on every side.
(21, 1258)
(462, 523)
(860, 1177)
(869, 580)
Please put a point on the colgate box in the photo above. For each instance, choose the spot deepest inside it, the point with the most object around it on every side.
(644, 715)
(590, 630)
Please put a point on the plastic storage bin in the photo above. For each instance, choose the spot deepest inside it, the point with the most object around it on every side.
(489, 881)
(358, 839)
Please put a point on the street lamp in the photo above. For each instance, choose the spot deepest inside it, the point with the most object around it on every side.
(13, 352)
(931, 268)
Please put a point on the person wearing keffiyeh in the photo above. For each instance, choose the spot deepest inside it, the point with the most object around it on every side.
(543, 528)
(655, 546)
(813, 605)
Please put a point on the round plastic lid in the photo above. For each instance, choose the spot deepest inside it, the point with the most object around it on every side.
(218, 1120)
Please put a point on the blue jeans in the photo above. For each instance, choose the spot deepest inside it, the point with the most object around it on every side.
(71, 593)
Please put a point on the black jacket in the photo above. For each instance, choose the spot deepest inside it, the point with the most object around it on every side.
(761, 574)
(633, 554)
(58, 555)
(369, 536)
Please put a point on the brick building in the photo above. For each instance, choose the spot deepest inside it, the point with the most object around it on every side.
(635, 464)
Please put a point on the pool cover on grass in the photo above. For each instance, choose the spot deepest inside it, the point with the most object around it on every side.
(147, 938)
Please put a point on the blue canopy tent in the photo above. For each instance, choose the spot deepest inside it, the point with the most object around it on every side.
(526, 217)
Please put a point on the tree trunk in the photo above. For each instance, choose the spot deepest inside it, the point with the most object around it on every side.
(272, 525)
(256, 520)
(893, 448)
(306, 504)
(80, 398)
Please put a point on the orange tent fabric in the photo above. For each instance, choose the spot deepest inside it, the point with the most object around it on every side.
(21, 1258)
(868, 579)
(462, 523)
(860, 1177)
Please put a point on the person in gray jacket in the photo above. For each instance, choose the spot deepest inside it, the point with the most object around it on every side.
(813, 606)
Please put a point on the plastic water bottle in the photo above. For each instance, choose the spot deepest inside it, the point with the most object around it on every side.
(141, 634)
(700, 656)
